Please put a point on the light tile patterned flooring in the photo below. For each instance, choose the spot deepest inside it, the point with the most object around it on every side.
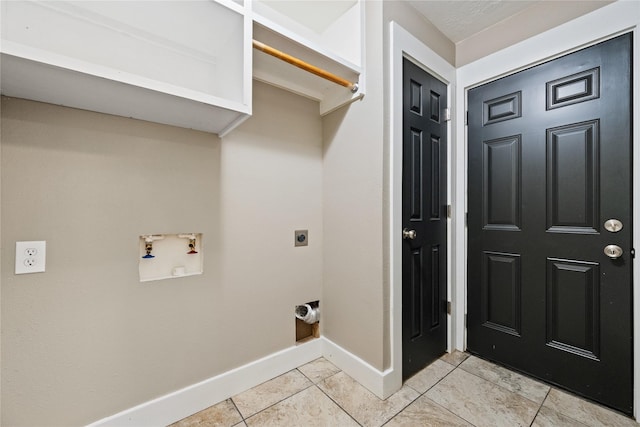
(456, 390)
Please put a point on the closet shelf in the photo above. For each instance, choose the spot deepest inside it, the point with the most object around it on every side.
(186, 64)
(327, 35)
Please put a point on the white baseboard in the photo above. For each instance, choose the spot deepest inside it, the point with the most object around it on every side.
(382, 384)
(189, 400)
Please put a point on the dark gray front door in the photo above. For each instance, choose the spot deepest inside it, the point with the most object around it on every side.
(424, 219)
(549, 164)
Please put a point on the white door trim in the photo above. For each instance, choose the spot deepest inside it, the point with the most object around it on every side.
(606, 22)
(403, 44)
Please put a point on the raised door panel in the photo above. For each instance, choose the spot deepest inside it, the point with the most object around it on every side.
(573, 180)
(501, 292)
(501, 186)
(573, 306)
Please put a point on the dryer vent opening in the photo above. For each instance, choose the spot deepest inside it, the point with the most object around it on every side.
(307, 318)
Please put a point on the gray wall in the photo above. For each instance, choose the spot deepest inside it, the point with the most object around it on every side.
(86, 339)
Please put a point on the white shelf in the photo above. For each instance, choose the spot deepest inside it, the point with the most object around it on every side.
(181, 63)
(178, 62)
(327, 35)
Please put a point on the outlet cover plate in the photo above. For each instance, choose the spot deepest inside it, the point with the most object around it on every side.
(31, 257)
(301, 238)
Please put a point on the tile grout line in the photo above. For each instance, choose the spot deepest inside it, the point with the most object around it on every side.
(404, 407)
(444, 407)
(506, 389)
(275, 403)
(468, 355)
(437, 382)
(244, 419)
(425, 392)
(570, 417)
(421, 394)
(237, 409)
(347, 412)
(329, 376)
(540, 407)
(312, 384)
(431, 400)
(337, 404)
(451, 412)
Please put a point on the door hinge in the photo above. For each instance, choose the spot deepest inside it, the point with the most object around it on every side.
(466, 219)
(447, 114)
(466, 118)
(465, 320)
(449, 211)
(633, 252)
(448, 307)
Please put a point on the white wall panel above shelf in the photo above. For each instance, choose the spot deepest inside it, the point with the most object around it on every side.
(327, 35)
(119, 58)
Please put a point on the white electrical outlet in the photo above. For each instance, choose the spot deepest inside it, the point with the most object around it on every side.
(31, 257)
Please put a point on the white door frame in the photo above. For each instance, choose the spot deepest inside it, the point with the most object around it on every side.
(404, 45)
(601, 24)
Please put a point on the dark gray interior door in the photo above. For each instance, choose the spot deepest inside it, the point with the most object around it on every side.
(424, 219)
(549, 164)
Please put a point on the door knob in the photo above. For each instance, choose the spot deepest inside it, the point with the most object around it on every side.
(613, 251)
(408, 234)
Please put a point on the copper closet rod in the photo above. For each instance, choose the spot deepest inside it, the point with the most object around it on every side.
(305, 65)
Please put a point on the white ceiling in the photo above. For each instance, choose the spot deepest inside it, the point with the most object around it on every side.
(314, 14)
(460, 19)
(456, 19)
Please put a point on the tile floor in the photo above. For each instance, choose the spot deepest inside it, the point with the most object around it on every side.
(456, 390)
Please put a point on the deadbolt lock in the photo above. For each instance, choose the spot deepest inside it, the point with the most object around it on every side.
(613, 225)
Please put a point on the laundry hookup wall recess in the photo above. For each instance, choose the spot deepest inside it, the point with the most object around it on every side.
(169, 256)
